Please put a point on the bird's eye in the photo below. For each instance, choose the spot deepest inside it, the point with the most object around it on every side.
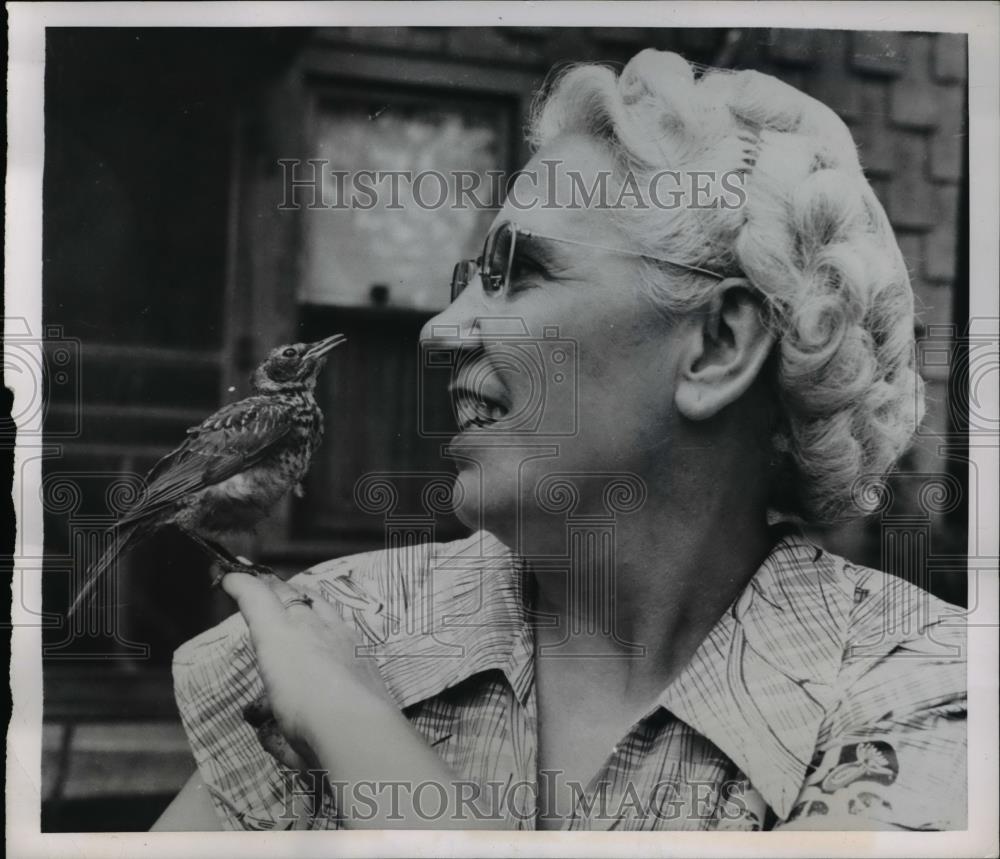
(289, 353)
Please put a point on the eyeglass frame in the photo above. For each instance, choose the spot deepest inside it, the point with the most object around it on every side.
(469, 267)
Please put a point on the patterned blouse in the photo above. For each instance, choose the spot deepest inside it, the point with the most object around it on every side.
(826, 689)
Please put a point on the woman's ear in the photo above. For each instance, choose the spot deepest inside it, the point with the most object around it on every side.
(726, 347)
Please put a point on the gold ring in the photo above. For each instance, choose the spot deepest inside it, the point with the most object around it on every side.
(297, 600)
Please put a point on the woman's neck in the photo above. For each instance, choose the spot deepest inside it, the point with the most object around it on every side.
(646, 592)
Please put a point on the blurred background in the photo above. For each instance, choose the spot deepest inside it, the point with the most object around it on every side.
(169, 271)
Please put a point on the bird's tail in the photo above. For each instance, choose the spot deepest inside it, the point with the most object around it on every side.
(124, 536)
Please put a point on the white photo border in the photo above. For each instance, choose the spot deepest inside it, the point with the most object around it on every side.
(23, 283)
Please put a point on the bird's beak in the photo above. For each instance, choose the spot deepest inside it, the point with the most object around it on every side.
(323, 347)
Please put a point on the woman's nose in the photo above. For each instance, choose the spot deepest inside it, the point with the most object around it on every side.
(457, 323)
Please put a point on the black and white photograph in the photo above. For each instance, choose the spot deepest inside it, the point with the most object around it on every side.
(445, 423)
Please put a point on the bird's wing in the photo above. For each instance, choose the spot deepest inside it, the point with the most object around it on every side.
(230, 441)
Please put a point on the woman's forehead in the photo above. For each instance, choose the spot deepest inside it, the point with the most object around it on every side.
(551, 192)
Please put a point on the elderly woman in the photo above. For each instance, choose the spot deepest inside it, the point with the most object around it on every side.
(636, 635)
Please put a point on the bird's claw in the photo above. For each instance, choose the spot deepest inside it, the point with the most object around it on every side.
(239, 566)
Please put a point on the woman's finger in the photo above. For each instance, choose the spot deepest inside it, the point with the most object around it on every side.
(258, 711)
(256, 587)
(258, 603)
(259, 716)
(277, 746)
(290, 597)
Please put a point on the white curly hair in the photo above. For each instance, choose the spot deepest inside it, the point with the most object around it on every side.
(810, 237)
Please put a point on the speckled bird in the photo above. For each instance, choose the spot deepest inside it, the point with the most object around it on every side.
(235, 466)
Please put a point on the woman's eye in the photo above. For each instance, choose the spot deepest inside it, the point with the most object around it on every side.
(524, 267)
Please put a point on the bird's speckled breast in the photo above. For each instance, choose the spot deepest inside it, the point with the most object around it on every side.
(238, 503)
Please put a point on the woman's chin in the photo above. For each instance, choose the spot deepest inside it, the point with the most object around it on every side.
(476, 512)
(465, 501)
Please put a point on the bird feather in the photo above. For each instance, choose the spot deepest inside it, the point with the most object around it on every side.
(219, 448)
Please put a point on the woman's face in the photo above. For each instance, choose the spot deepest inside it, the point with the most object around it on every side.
(569, 372)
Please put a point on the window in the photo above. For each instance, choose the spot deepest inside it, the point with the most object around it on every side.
(395, 215)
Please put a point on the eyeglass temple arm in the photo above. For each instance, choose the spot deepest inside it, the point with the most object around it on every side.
(597, 247)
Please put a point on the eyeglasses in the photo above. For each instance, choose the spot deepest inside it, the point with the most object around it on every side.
(496, 262)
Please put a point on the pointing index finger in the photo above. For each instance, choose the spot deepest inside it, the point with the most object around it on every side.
(257, 601)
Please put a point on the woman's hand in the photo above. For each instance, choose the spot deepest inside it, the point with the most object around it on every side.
(327, 709)
(308, 661)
